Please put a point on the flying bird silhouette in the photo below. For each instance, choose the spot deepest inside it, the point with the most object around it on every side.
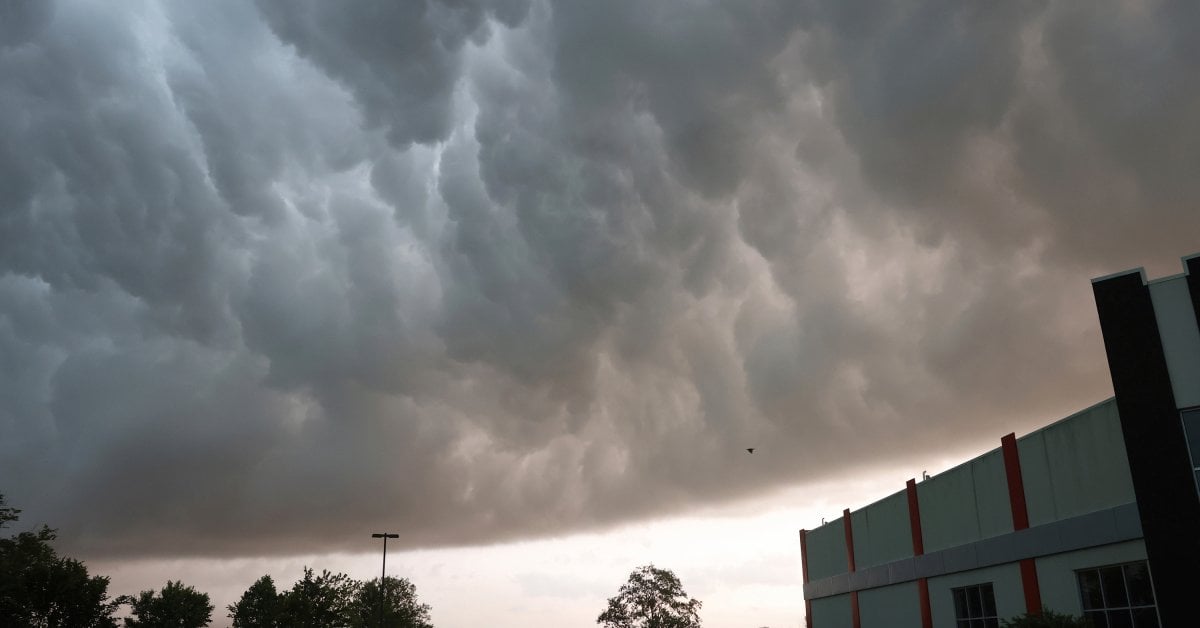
(749, 450)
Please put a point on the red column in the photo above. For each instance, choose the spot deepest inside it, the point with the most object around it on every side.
(1020, 516)
(846, 525)
(918, 542)
(804, 573)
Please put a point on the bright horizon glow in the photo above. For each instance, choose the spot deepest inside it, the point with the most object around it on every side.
(742, 560)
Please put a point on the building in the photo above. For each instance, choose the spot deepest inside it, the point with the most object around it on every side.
(1097, 514)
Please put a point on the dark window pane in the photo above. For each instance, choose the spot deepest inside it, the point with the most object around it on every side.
(1120, 619)
(1089, 589)
(1191, 424)
(964, 623)
(1097, 618)
(1114, 588)
(1145, 618)
(1137, 578)
(974, 603)
(960, 604)
(992, 623)
(989, 600)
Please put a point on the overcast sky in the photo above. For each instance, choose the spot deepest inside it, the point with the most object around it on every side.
(276, 273)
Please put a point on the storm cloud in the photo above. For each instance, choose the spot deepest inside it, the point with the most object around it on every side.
(273, 274)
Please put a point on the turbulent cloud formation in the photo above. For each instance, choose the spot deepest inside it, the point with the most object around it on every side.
(272, 274)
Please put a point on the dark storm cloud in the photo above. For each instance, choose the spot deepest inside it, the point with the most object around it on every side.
(274, 274)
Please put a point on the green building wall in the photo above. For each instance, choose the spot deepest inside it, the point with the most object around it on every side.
(1076, 466)
(965, 504)
(897, 606)
(827, 550)
(1006, 585)
(833, 611)
(882, 532)
(1056, 573)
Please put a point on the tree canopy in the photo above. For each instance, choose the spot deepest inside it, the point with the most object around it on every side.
(330, 599)
(400, 609)
(176, 606)
(651, 598)
(258, 606)
(39, 588)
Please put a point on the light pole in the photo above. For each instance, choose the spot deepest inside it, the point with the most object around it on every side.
(383, 575)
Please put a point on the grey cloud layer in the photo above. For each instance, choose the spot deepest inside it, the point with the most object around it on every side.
(274, 274)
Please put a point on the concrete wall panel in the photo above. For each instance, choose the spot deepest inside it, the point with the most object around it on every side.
(896, 606)
(948, 513)
(1006, 584)
(1056, 574)
(832, 612)
(1089, 470)
(991, 494)
(827, 550)
(882, 532)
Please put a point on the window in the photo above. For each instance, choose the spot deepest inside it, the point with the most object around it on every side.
(1118, 596)
(975, 607)
(1191, 431)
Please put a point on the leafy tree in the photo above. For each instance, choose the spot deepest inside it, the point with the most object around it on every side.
(175, 606)
(319, 602)
(6, 513)
(38, 588)
(400, 609)
(651, 598)
(259, 606)
(1047, 619)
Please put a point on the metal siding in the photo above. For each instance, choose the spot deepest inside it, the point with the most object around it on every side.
(890, 607)
(1180, 338)
(1060, 589)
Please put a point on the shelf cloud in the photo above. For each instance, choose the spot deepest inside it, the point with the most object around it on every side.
(273, 274)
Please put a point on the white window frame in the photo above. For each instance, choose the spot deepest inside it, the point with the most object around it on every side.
(984, 620)
(1129, 606)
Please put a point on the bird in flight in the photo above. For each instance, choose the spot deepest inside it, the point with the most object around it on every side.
(749, 450)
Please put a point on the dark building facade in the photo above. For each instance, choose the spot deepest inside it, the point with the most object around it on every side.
(1097, 514)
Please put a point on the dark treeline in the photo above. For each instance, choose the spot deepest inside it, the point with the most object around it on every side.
(40, 589)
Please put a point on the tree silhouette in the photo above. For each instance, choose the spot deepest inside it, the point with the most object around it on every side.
(258, 607)
(176, 606)
(318, 602)
(400, 610)
(651, 598)
(39, 588)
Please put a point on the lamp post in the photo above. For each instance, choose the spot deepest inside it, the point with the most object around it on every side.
(383, 575)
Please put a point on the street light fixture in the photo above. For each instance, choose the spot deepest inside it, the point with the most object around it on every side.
(383, 575)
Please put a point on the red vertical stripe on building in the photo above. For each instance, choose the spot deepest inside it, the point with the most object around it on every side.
(914, 519)
(1020, 517)
(849, 528)
(926, 610)
(804, 573)
(804, 554)
(918, 543)
(849, 539)
(1016, 486)
(1029, 581)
